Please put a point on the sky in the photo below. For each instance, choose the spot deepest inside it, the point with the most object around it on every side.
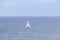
(29, 7)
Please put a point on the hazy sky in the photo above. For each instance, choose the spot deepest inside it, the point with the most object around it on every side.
(29, 7)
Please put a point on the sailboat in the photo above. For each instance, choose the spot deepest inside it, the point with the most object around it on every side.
(28, 25)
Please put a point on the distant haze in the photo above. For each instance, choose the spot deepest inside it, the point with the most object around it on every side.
(29, 8)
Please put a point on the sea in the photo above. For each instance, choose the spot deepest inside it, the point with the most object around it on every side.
(42, 28)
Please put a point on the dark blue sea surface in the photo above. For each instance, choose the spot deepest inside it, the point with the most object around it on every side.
(42, 28)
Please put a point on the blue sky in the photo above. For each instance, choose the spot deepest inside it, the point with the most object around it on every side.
(30, 8)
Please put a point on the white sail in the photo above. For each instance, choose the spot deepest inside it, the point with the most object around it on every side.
(28, 24)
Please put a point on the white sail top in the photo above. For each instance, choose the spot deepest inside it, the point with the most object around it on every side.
(28, 24)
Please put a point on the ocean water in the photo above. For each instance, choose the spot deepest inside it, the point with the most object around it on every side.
(42, 28)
